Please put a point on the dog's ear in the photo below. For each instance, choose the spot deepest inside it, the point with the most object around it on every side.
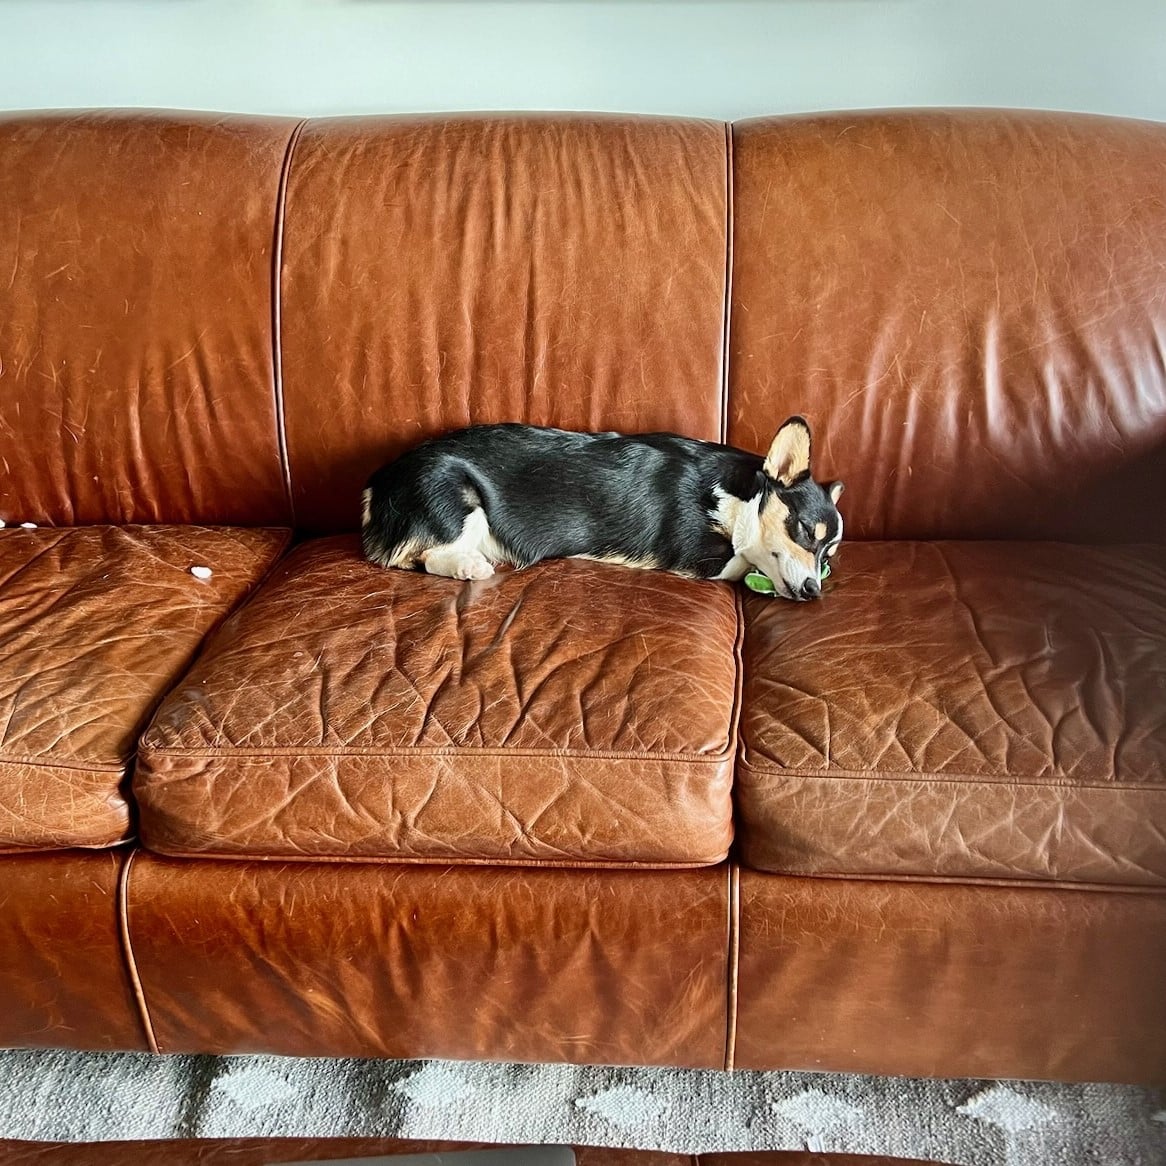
(835, 491)
(789, 455)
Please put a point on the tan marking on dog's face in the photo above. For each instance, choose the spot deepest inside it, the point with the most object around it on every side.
(776, 539)
(365, 507)
(820, 531)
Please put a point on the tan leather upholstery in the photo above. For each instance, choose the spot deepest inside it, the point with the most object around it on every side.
(967, 710)
(951, 980)
(216, 320)
(465, 962)
(571, 713)
(967, 305)
(63, 979)
(136, 318)
(447, 271)
(96, 624)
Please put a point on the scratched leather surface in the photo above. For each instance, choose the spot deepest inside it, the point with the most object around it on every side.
(445, 270)
(63, 982)
(925, 979)
(135, 318)
(96, 624)
(317, 959)
(965, 710)
(569, 713)
(968, 307)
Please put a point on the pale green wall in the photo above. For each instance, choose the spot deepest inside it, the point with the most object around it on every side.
(723, 59)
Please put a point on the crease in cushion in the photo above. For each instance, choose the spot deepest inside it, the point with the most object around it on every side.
(96, 624)
(962, 710)
(570, 714)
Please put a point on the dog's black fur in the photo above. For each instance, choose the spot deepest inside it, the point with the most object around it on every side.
(649, 500)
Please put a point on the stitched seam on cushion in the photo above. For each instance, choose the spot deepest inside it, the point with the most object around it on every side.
(1002, 780)
(733, 965)
(439, 860)
(734, 745)
(1012, 882)
(428, 751)
(277, 319)
(127, 948)
(79, 765)
(727, 310)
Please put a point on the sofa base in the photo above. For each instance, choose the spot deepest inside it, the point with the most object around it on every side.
(707, 969)
(951, 980)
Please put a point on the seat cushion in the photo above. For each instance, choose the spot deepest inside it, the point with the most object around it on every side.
(96, 623)
(964, 710)
(573, 713)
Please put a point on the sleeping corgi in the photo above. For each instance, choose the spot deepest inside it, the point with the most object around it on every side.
(460, 504)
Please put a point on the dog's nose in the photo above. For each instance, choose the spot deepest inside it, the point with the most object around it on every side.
(811, 589)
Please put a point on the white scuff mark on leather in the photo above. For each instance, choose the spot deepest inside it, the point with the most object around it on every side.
(201, 572)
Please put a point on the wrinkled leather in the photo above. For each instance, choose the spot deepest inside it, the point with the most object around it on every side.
(967, 306)
(440, 271)
(923, 980)
(63, 980)
(136, 366)
(265, 1151)
(96, 624)
(485, 963)
(968, 710)
(569, 713)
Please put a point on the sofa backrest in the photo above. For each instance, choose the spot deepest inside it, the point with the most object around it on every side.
(135, 318)
(970, 307)
(226, 319)
(443, 271)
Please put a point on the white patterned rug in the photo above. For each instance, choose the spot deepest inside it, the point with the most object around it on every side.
(77, 1097)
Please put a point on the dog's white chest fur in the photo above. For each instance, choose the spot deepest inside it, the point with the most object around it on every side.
(741, 522)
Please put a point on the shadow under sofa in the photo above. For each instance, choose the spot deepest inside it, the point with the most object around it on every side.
(580, 813)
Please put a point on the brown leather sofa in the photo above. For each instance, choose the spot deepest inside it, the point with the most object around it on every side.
(581, 813)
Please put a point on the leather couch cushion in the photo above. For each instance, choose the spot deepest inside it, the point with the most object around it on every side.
(96, 623)
(573, 713)
(136, 318)
(968, 710)
(464, 962)
(967, 305)
(445, 270)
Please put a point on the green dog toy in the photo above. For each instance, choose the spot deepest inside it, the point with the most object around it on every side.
(764, 585)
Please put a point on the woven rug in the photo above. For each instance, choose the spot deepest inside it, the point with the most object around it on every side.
(106, 1096)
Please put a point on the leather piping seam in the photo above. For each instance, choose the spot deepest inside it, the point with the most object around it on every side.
(733, 962)
(1007, 882)
(549, 864)
(728, 304)
(260, 752)
(277, 319)
(993, 780)
(131, 964)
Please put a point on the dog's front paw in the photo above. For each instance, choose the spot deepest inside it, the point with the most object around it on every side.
(459, 564)
(473, 567)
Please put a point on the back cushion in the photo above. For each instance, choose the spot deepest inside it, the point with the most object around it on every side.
(136, 362)
(971, 309)
(445, 271)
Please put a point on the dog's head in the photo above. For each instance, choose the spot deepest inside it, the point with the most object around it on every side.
(798, 523)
